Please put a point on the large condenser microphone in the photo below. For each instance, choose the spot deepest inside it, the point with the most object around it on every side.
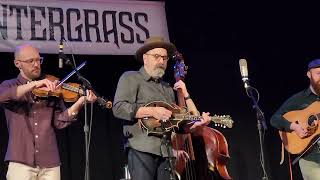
(61, 54)
(244, 72)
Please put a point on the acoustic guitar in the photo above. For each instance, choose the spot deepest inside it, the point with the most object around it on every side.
(308, 118)
(179, 117)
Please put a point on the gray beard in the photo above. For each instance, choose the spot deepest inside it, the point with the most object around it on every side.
(157, 73)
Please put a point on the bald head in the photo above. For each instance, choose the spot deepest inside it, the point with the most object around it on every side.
(25, 51)
(27, 60)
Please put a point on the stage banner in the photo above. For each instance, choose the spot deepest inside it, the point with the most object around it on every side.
(95, 27)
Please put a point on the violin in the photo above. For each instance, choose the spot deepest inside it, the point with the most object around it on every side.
(70, 92)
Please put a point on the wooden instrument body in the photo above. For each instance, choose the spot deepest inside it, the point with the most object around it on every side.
(208, 154)
(308, 118)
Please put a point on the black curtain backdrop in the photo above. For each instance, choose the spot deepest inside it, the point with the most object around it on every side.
(277, 39)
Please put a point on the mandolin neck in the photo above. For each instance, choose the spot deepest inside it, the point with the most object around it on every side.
(197, 118)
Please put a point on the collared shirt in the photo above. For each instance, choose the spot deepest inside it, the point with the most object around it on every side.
(32, 139)
(298, 101)
(135, 89)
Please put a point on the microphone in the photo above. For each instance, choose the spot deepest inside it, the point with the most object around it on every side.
(244, 72)
(61, 54)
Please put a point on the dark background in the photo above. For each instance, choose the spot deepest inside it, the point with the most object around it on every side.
(277, 39)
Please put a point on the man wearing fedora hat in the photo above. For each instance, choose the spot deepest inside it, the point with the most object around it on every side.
(310, 162)
(147, 155)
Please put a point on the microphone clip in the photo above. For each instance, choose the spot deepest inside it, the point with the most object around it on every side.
(65, 57)
(246, 82)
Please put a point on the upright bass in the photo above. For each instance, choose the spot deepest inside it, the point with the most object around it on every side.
(207, 148)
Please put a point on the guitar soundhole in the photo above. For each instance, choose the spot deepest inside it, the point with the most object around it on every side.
(311, 120)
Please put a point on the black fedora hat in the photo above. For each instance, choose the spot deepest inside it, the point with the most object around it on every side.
(154, 42)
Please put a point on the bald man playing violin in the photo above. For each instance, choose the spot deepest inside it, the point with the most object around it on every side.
(32, 151)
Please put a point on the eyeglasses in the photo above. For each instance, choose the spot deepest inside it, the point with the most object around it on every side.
(33, 60)
(158, 56)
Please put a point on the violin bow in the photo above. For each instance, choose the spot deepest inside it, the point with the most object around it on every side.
(71, 73)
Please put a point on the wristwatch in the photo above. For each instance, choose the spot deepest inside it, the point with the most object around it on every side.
(186, 98)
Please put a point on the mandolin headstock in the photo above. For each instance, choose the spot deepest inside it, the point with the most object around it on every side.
(224, 121)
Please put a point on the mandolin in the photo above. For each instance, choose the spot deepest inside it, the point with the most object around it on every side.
(179, 117)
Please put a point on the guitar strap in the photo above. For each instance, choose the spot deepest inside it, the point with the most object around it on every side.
(282, 154)
(290, 166)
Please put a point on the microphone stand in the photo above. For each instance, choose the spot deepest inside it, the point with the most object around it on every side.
(85, 86)
(261, 124)
(166, 140)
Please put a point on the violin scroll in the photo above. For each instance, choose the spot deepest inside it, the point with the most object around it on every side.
(104, 103)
